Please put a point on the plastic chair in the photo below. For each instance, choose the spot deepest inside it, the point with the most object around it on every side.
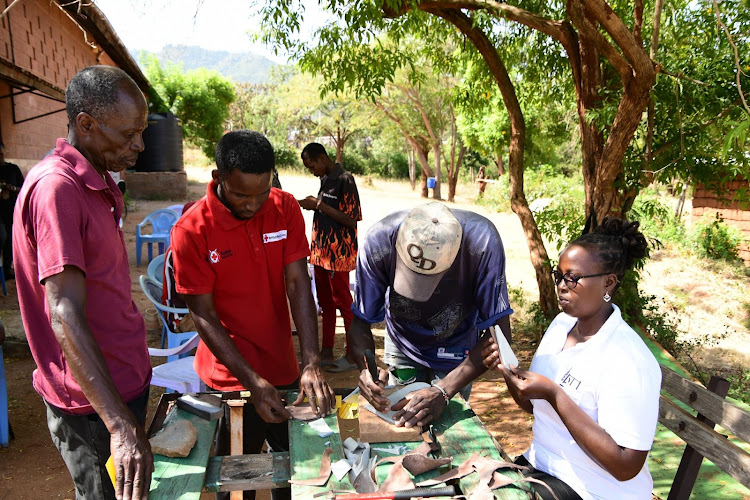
(177, 375)
(4, 423)
(155, 269)
(161, 222)
(152, 290)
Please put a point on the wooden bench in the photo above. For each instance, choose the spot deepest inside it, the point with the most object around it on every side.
(679, 397)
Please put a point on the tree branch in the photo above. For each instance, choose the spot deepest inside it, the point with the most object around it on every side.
(577, 17)
(736, 55)
(621, 36)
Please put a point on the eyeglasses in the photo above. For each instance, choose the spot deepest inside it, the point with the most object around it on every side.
(571, 280)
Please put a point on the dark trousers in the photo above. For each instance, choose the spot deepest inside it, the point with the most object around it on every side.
(6, 247)
(332, 289)
(561, 488)
(83, 442)
(255, 431)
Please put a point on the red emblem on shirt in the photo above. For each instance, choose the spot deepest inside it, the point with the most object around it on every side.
(213, 256)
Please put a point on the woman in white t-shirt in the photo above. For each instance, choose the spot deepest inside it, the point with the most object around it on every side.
(593, 386)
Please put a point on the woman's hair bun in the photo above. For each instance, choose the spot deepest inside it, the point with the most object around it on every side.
(626, 233)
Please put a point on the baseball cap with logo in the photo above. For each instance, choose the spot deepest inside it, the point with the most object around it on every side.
(427, 244)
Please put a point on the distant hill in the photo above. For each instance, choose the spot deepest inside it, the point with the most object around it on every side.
(240, 67)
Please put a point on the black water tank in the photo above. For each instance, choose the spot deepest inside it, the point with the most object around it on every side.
(162, 140)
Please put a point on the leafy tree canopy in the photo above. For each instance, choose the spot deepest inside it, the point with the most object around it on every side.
(200, 98)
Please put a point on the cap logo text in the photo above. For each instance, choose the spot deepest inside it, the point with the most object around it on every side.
(416, 254)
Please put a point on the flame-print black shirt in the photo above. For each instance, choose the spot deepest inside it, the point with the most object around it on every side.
(334, 247)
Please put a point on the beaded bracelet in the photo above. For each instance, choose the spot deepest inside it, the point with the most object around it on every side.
(317, 206)
(445, 394)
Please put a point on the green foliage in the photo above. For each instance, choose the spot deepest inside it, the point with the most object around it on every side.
(657, 220)
(286, 157)
(715, 240)
(740, 386)
(200, 98)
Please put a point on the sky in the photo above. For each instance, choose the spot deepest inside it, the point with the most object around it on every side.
(210, 24)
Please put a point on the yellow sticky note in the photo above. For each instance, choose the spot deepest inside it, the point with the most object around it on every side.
(110, 466)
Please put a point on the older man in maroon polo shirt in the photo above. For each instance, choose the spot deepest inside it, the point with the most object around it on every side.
(85, 332)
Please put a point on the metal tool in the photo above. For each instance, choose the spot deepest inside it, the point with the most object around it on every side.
(372, 365)
(447, 491)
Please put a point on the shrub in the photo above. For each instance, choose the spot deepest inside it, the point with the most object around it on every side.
(657, 221)
(715, 240)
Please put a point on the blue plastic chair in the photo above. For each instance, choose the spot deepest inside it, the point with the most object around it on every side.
(161, 222)
(152, 290)
(155, 269)
(4, 423)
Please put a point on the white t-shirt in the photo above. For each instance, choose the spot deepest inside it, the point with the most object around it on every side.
(613, 378)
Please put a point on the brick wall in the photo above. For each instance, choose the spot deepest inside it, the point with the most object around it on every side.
(48, 44)
(707, 203)
(156, 185)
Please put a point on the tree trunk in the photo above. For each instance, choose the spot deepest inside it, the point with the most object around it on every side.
(500, 165)
(453, 174)
(412, 162)
(436, 151)
(426, 170)
(519, 204)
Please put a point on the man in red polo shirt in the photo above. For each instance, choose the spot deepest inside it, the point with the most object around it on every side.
(85, 332)
(238, 253)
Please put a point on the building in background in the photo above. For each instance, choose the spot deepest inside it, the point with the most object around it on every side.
(43, 44)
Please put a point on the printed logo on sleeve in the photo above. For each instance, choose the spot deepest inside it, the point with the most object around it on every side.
(277, 236)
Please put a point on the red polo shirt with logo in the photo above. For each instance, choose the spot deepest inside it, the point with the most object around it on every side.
(241, 262)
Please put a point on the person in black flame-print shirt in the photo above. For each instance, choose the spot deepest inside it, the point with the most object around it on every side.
(334, 245)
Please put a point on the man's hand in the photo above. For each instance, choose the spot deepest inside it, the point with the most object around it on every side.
(373, 391)
(319, 393)
(529, 385)
(491, 354)
(420, 407)
(309, 203)
(133, 461)
(268, 403)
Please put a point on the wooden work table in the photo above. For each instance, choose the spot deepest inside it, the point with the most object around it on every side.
(459, 432)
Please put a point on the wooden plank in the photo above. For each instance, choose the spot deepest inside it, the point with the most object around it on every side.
(373, 429)
(690, 464)
(708, 404)
(183, 477)
(262, 471)
(709, 443)
(305, 451)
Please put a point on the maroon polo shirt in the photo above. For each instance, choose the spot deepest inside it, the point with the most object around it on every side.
(67, 215)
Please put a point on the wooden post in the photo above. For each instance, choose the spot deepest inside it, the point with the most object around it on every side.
(235, 434)
(690, 464)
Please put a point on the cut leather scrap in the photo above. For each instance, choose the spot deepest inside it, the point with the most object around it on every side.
(364, 482)
(304, 413)
(500, 480)
(489, 479)
(398, 479)
(464, 469)
(416, 463)
(325, 472)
